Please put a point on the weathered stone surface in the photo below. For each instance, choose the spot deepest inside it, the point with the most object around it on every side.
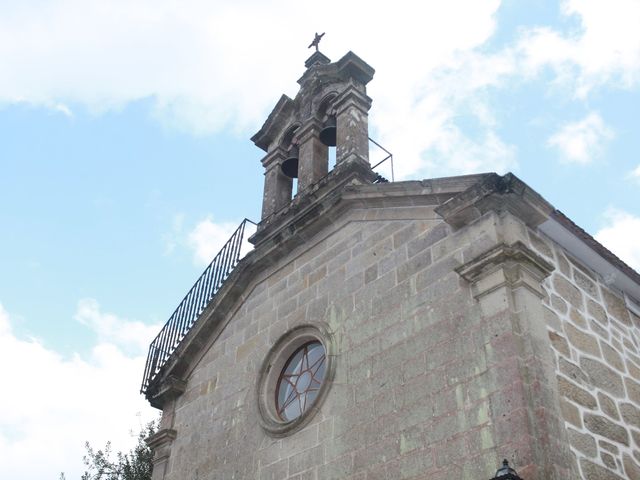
(633, 370)
(540, 245)
(592, 471)
(603, 377)
(633, 390)
(606, 428)
(568, 291)
(558, 304)
(576, 394)
(630, 414)
(597, 312)
(571, 413)
(583, 442)
(612, 357)
(608, 460)
(616, 306)
(583, 341)
(573, 371)
(631, 468)
(559, 343)
(608, 406)
(609, 447)
(577, 318)
(563, 263)
(629, 345)
(585, 283)
(551, 319)
(599, 330)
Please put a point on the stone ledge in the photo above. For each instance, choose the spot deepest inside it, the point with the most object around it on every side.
(496, 193)
(487, 272)
(161, 438)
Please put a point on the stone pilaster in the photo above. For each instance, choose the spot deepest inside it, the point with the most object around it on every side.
(314, 156)
(160, 443)
(352, 107)
(507, 281)
(277, 186)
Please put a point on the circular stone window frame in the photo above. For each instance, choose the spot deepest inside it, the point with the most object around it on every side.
(275, 361)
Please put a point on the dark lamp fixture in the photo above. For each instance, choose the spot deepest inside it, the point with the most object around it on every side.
(506, 473)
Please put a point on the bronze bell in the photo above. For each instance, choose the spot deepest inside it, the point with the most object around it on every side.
(328, 132)
(290, 166)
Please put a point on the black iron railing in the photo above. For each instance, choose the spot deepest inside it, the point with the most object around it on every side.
(192, 305)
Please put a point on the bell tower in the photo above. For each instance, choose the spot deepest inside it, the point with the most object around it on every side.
(330, 110)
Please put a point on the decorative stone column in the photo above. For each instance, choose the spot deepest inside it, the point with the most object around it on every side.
(277, 186)
(352, 116)
(313, 163)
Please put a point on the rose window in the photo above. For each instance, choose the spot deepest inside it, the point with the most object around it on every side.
(300, 380)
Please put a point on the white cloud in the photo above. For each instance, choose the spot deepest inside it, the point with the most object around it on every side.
(606, 47)
(635, 173)
(110, 328)
(212, 65)
(582, 141)
(207, 238)
(57, 403)
(620, 235)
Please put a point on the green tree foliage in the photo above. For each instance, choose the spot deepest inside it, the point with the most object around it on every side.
(135, 465)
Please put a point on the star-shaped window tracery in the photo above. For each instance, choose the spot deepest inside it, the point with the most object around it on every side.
(300, 380)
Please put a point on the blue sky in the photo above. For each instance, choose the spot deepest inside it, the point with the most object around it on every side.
(125, 160)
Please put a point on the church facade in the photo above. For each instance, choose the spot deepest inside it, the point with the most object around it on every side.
(400, 330)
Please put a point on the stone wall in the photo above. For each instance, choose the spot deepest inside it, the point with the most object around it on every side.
(428, 383)
(457, 346)
(596, 341)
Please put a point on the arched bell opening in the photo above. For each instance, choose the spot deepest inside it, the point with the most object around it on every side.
(328, 132)
(290, 164)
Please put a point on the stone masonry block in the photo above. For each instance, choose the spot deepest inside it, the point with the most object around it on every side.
(603, 377)
(608, 405)
(612, 357)
(585, 283)
(432, 236)
(631, 468)
(630, 414)
(616, 306)
(593, 471)
(583, 442)
(559, 343)
(583, 341)
(576, 394)
(606, 428)
(597, 312)
(570, 413)
(568, 291)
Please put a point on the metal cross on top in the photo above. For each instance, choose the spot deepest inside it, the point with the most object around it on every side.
(316, 40)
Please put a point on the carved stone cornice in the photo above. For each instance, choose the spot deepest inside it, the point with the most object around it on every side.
(500, 194)
(161, 438)
(513, 265)
(274, 158)
(171, 387)
(352, 97)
